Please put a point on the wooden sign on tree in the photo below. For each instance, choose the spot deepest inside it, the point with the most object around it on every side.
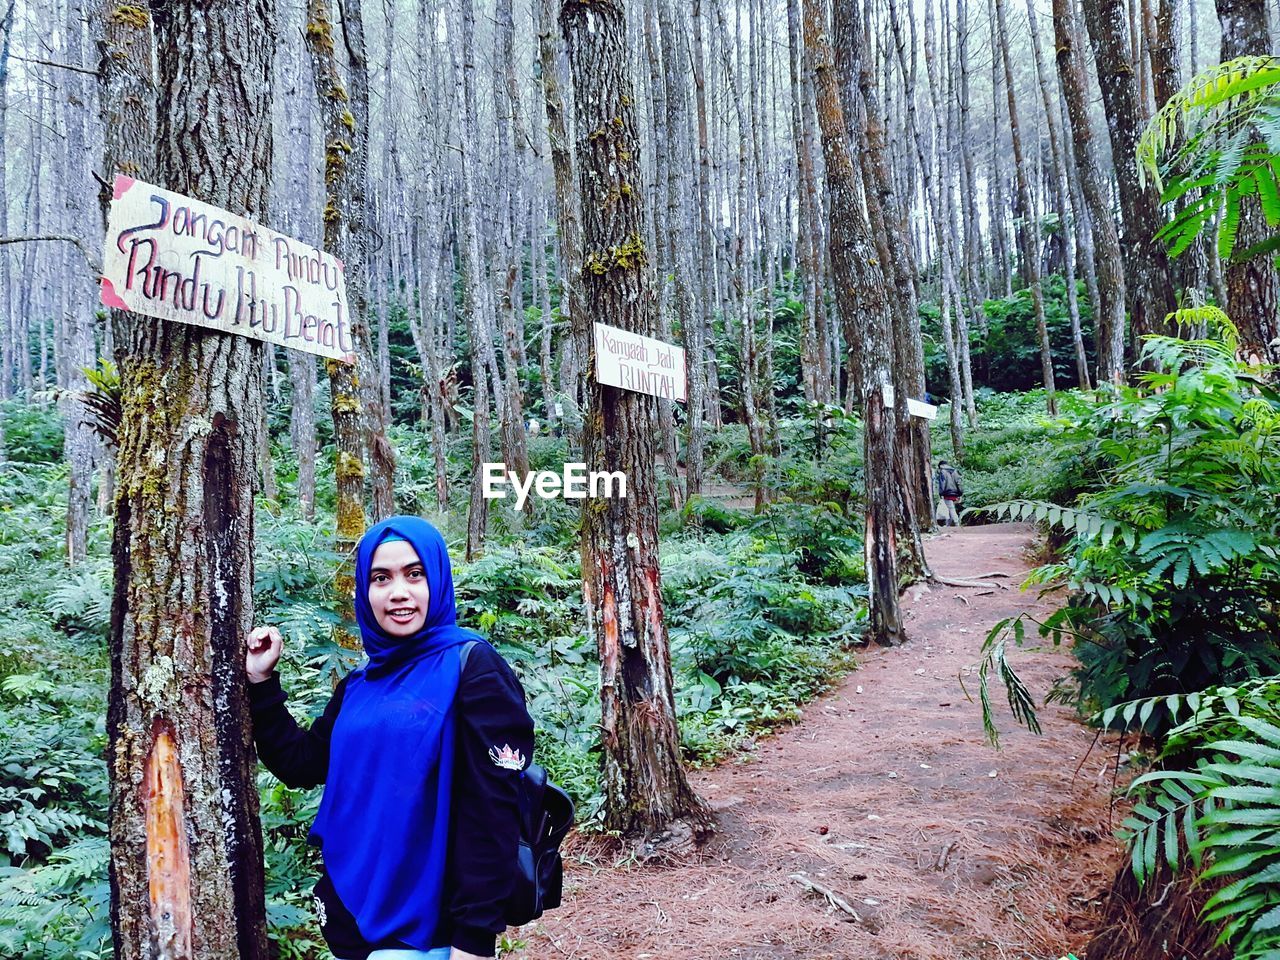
(176, 258)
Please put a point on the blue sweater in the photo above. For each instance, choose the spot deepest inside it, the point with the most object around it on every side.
(483, 836)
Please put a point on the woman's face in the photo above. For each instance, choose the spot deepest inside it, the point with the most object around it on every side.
(398, 591)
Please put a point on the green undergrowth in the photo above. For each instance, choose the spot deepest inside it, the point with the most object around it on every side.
(763, 613)
(1017, 451)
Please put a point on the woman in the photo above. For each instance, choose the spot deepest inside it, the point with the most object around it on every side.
(420, 757)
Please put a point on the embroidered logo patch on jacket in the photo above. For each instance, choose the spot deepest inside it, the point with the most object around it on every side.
(506, 758)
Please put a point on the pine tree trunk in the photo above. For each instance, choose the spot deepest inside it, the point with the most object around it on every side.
(511, 147)
(297, 204)
(679, 196)
(1109, 312)
(814, 377)
(707, 245)
(1029, 228)
(1061, 199)
(568, 221)
(1148, 283)
(83, 220)
(861, 294)
(888, 229)
(343, 216)
(381, 460)
(473, 288)
(968, 190)
(7, 345)
(186, 866)
(646, 789)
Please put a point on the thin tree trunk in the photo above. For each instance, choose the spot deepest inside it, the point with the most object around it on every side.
(1028, 229)
(911, 448)
(680, 195)
(7, 344)
(708, 255)
(568, 221)
(473, 303)
(83, 220)
(1109, 312)
(1148, 283)
(344, 237)
(511, 148)
(1061, 200)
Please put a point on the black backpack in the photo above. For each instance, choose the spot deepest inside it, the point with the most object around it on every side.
(546, 814)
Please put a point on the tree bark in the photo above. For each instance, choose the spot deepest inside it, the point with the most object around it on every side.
(568, 221)
(861, 104)
(344, 237)
(861, 294)
(186, 868)
(680, 195)
(510, 172)
(473, 289)
(1148, 282)
(1061, 193)
(83, 219)
(1109, 314)
(646, 789)
(7, 344)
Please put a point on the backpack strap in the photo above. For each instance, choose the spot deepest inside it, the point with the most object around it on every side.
(466, 652)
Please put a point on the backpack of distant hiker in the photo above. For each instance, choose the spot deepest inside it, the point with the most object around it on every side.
(546, 814)
(949, 483)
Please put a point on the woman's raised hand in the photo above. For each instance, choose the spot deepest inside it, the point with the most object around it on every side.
(262, 653)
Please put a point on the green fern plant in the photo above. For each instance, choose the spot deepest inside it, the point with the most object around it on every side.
(1217, 808)
(1214, 144)
(1172, 559)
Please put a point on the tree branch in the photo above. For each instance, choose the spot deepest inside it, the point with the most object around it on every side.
(66, 238)
(52, 63)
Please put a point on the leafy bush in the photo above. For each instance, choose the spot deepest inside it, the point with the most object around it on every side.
(1017, 451)
(1008, 357)
(1174, 556)
(32, 433)
(1215, 806)
(751, 637)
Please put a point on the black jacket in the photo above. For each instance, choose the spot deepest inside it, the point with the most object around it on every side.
(490, 716)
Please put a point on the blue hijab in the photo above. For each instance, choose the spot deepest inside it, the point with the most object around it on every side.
(383, 823)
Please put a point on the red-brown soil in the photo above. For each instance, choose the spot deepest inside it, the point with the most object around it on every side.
(886, 794)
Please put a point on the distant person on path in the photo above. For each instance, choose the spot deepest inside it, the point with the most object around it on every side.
(420, 756)
(946, 483)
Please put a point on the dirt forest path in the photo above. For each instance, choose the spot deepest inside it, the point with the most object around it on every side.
(886, 795)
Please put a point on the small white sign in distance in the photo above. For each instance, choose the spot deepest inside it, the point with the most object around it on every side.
(630, 361)
(918, 408)
(915, 408)
(175, 258)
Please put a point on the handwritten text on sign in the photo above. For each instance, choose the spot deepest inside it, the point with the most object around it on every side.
(642, 364)
(175, 258)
